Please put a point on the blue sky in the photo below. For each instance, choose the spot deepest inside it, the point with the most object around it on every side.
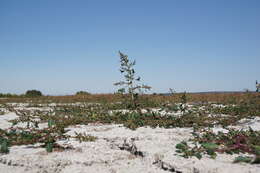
(62, 46)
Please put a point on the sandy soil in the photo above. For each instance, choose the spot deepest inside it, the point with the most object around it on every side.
(119, 150)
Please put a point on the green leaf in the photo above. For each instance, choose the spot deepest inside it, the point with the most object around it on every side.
(243, 159)
(198, 155)
(50, 123)
(257, 149)
(212, 154)
(4, 146)
(209, 146)
(182, 146)
(49, 147)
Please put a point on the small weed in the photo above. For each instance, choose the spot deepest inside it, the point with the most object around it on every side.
(187, 151)
(82, 137)
(4, 145)
(50, 123)
(49, 147)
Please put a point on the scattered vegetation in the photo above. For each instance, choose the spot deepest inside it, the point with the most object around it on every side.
(180, 112)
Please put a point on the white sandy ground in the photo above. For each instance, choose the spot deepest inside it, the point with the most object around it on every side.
(4, 120)
(105, 156)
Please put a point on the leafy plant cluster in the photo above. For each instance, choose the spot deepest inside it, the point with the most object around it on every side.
(233, 142)
(21, 136)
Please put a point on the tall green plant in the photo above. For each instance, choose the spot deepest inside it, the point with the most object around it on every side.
(130, 86)
(4, 145)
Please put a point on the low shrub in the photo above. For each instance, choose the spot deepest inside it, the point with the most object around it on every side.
(82, 93)
(33, 93)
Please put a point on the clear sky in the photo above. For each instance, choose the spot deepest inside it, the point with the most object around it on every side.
(63, 46)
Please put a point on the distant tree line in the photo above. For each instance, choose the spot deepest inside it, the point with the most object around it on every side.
(9, 95)
(37, 93)
(29, 93)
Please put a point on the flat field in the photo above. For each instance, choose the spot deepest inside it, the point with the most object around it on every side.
(185, 133)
